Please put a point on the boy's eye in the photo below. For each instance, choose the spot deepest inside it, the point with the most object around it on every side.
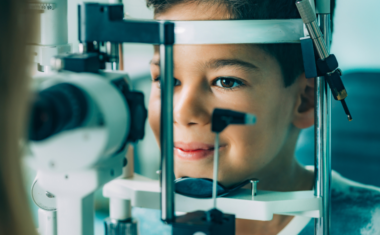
(228, 82)
(157, 79)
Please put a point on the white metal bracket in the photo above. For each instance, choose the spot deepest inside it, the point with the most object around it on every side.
(145, 193)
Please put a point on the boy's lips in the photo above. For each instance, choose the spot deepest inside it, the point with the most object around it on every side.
(194, 150)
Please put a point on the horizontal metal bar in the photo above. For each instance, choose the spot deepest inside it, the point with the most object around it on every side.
(105, 23)
(145, 193)
(238, 31)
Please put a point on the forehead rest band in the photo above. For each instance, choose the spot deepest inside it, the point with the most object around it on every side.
(238, 31)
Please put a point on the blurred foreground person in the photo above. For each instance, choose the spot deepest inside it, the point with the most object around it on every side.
(15, 30)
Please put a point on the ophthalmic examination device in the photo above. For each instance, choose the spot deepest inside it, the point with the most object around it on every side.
(83, 116)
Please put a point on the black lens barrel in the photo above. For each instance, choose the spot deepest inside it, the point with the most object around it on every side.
(58, 108)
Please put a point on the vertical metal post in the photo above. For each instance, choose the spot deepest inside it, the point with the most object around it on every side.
(166, 132)
(323, 140)
(216, 168)
(116, 49)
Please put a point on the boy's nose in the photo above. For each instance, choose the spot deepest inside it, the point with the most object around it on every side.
(190, 108)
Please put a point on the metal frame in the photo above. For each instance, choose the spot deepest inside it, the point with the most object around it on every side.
(166, 140)
(143, 192)
(323, 130)
(115, 29)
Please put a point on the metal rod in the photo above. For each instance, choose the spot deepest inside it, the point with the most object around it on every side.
(326, 30)
(118, 65)
(115, 66)
(319, 42)
(308, 17)
(216, 167)
(113, 54)
(319, 133)
(323, 140)
(166, 132)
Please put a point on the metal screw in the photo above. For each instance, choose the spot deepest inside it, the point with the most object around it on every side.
(254, 187)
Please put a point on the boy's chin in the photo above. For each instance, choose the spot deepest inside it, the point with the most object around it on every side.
(193, 171)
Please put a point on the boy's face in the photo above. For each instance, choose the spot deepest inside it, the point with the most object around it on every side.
(238, 77)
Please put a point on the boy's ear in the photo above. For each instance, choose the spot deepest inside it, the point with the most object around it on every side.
(304, 112)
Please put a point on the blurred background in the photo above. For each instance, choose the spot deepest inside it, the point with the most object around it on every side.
(355, 145)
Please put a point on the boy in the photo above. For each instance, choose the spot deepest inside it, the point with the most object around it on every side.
(265, 80)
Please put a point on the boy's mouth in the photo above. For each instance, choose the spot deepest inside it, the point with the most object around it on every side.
(194, 150)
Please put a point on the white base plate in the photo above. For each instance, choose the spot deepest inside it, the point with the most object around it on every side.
(145, 193)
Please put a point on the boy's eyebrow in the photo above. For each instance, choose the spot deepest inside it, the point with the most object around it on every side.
(219, 63)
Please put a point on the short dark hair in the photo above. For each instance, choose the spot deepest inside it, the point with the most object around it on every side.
(288, 55)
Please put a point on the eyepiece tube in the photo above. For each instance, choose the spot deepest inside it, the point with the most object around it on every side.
(58, 108)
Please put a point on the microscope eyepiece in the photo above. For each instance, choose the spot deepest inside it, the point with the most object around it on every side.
(58, 108)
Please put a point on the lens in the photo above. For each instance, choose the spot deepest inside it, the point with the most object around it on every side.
(58, 108)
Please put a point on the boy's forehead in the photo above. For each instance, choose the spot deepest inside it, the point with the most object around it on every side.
(194, 11)
(206, 54)
(209, 55)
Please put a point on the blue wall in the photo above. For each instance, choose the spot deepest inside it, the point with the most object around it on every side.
(356, 144)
